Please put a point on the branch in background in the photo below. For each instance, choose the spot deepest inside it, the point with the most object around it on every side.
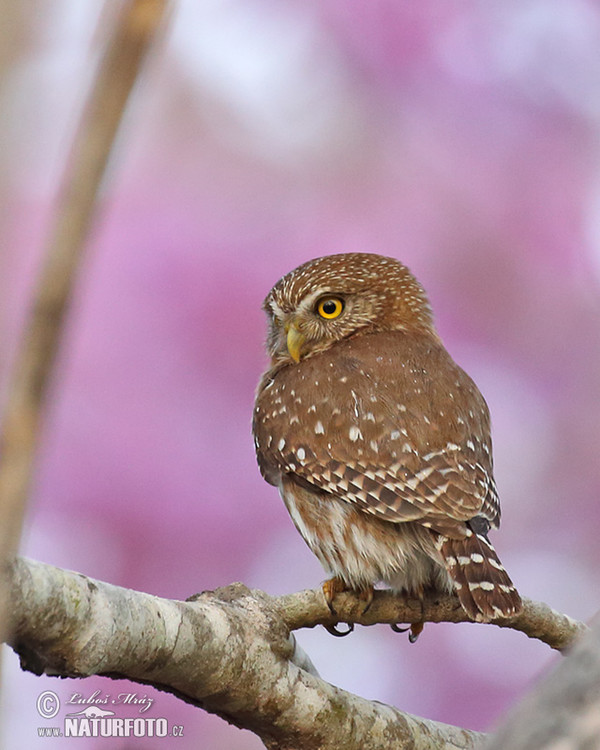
(231, 652)
(134, 32)
(563, 712)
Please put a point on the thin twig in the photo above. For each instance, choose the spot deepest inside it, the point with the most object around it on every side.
(130, 40)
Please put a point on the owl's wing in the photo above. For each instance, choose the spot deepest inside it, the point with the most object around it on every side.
(449, 488)
(439, 488)
(425, 457)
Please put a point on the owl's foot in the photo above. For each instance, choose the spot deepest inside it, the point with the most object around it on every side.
(366, 595)
(417, 627)
(336, 585)
(330, 588)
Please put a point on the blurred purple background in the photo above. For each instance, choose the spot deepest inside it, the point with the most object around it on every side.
(460, 138)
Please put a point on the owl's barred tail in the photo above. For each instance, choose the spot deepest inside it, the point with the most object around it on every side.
(483, 586)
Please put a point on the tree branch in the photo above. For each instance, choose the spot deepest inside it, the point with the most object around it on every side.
(228, 651)
(232, 652)
(563, 712)
(537, 620)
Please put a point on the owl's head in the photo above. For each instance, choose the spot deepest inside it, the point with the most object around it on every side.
(332, 298)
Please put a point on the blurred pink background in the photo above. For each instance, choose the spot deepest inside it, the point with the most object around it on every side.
(460, 138)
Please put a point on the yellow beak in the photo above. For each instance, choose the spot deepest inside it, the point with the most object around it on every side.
(295, 341)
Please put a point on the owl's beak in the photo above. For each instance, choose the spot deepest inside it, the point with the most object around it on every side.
(295, 341)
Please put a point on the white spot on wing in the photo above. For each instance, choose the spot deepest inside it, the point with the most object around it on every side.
(355, 399)
(354, 433)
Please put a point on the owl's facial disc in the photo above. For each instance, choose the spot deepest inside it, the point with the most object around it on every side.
(326, 308)
(309, 325)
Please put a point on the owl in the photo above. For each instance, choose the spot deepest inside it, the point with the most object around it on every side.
(378, 442)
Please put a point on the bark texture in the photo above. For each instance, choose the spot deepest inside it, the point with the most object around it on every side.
(232, 652)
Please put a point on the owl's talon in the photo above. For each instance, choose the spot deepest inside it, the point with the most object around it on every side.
(339, 633)
(415, 630)
(330, 588)
(414, 634)
(366, 595)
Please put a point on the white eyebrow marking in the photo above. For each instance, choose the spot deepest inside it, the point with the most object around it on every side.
(276, 311)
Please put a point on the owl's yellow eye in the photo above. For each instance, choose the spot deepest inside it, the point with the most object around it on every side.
(330, 307)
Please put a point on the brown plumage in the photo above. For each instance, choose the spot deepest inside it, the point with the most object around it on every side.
(378, 442)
